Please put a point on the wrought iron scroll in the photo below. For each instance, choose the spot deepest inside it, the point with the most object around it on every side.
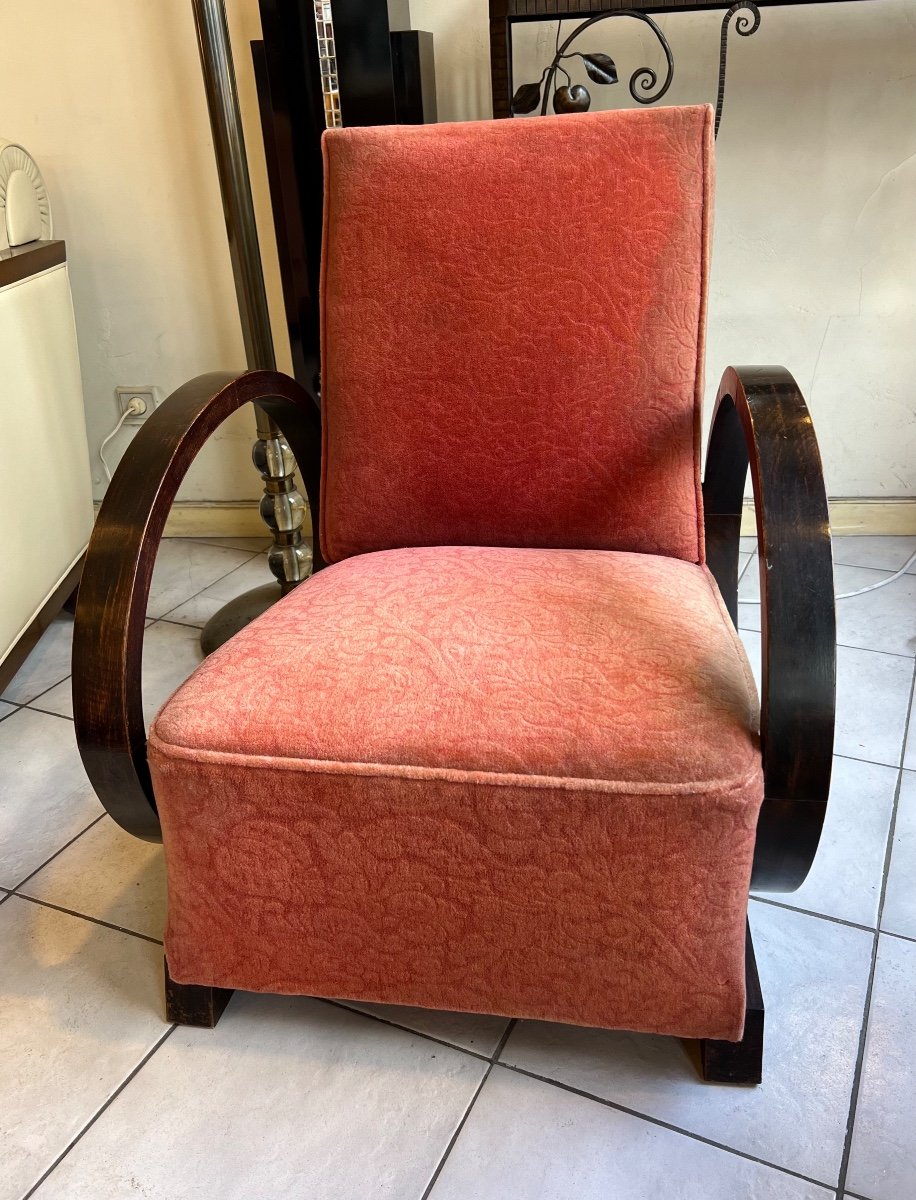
(747, 22)
(643, 83)
(600, 68)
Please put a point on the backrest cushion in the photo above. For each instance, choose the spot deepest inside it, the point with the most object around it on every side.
(512, 333)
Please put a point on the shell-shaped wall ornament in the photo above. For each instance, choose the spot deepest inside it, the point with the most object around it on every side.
(25, 210)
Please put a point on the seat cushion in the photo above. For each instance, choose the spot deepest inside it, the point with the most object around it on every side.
(513, 781)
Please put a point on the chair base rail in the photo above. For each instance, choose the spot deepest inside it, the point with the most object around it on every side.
(739, 1062)
(721, 1062)
(194, 1004)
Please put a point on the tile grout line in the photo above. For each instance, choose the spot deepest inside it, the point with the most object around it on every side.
(85, 917)
(632, 1112)
(866, 1011)
(92, 1120)
(751, 557)
(152, 621)
(492, 1062)
(840, 645)
(212, 583)
(44, 712)
(429, 1037)
(203, 541)
(808, 912)
(65, 846)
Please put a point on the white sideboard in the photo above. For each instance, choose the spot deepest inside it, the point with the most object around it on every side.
(46, 508)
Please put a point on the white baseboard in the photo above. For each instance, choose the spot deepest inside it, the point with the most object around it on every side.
(850, 516)
(241, 519)
(219, 519)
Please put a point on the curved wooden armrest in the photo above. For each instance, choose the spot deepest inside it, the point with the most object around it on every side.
(761, 420)
(111, 610)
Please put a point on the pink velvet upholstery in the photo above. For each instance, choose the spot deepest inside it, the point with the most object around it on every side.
(502, 780)
(501, 757)
(513, 317)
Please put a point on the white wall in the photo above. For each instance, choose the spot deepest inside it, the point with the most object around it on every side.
(814, 261)
(815, 257)
(107, 95)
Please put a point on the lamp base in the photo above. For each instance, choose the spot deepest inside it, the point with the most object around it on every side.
(237, 614)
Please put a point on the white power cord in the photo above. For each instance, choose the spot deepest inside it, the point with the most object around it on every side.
(872, 587)
(136, 408)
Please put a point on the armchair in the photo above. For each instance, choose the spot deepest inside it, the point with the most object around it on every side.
(514, 762)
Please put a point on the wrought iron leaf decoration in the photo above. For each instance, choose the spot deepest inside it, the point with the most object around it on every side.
(527, 98)
(600, 68)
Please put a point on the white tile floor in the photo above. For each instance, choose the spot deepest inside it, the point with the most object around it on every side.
(304, 1098)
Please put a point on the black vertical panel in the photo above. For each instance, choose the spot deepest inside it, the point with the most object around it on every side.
(288, 76)
(414, 77)
(364, 62)
(292, 118)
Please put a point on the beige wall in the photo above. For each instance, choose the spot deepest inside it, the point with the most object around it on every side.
(815, 258)
(107, 96)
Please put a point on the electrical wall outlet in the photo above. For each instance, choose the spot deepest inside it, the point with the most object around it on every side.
(151, 397)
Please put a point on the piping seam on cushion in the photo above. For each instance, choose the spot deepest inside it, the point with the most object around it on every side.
(323, 349)
(705, 231)
(456, 775)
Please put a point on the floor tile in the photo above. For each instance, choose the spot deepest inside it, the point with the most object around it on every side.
(6, 710)
(872, 700)
(846, 878)
(814, 975)
(748, 615)
(287, 1097)
(751, 641)
(47, 799)
(885, 553)
(254, 545)
(48, 663)
(749, 583)
(909, 754)
(199, 609)
(184, 568)
(80, 1009)
(748, 545)
(170, 654)
(58, 700)
(884, 619)
(882, 1163)
(470, 1031)
(110, 875)
(899, 914)
(525, 1138)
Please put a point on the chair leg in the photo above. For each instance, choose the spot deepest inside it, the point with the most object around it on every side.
(192, 1004)
(739, 1062)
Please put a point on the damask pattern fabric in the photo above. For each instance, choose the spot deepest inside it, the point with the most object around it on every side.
(512, 321)
(501, 780)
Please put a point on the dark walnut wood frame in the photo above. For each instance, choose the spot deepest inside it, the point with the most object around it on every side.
(760, 422)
